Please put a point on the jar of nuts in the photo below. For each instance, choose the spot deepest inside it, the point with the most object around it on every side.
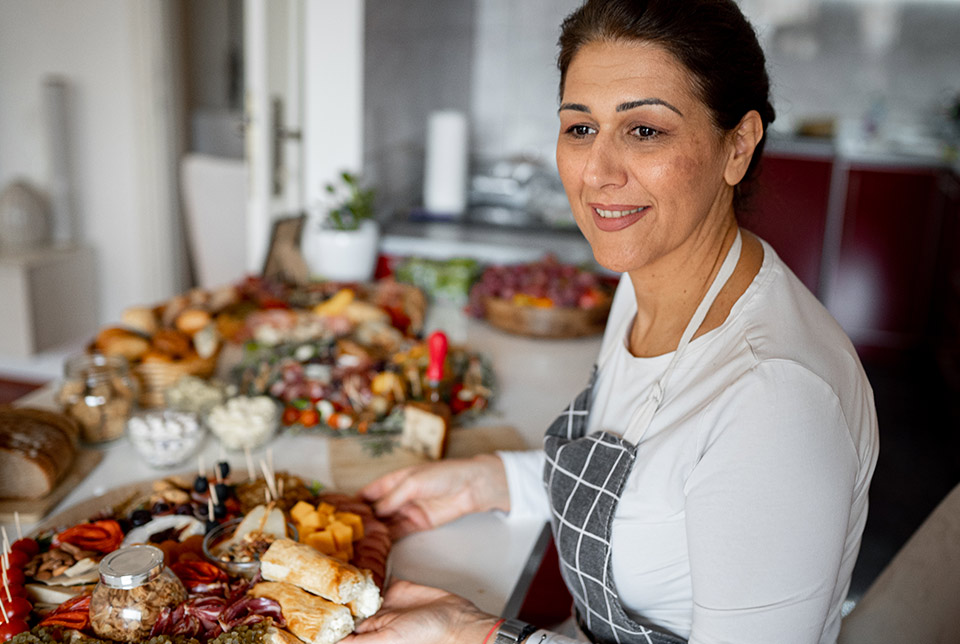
(133, 590)
(98, 392)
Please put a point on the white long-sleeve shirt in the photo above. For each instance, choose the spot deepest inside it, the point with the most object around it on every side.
(741, 520)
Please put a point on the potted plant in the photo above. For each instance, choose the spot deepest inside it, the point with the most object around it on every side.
(343, 244)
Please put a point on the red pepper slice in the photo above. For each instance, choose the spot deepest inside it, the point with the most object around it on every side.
(101, 536)
(197, 573)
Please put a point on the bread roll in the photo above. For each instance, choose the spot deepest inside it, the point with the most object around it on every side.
(192, 320)
(140, 318)
(313, 619)
(297, 563)
(171, 342)
(116, 341)
(34, 456)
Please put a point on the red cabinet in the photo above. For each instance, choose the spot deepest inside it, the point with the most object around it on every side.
(886, 265)
(788, 208)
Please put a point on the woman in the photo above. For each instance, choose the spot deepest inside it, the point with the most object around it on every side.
(711, 483)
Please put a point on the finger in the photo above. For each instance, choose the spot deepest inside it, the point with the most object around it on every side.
(408, 520)
(374, 490)
(407, 489)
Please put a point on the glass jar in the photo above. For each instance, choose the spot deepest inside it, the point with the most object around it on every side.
(133, 590)
(99, 393)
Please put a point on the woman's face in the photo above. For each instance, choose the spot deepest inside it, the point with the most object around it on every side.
(640, 159)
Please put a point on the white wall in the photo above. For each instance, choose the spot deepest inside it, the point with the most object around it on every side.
(112, 55)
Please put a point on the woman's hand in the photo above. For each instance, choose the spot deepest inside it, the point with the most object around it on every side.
(421, 615)
(426, 496)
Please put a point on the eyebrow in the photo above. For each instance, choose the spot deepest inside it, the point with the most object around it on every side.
(622, 107)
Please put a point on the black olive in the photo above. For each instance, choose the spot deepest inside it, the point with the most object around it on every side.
(223, 491)
(185, 509)
(224, 469)
(219, 511)
(201, 484)
(160, 507)
(139, 517)
(211, 525)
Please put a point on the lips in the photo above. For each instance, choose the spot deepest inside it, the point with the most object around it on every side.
(613, 217)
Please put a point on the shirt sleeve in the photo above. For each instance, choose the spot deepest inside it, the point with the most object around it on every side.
(528, 499)
(768, 507)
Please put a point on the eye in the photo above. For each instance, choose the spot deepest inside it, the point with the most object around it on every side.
(580, 131)
(644, 132)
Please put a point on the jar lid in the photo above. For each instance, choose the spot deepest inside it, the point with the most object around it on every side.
(131, 566)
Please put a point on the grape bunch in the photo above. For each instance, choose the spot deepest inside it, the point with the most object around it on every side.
(546, 283)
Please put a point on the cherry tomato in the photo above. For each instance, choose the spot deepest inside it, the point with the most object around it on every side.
(16, 607)
(309, 417)
(16, 590)
(14, 577)
(27, 545)
(290, 415)
(12, 628)
(18, 558)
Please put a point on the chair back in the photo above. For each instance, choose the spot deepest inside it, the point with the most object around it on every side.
(917, 596)
(215, 204)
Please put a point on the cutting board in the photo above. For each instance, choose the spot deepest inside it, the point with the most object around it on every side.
(33, 510)
(357, 460)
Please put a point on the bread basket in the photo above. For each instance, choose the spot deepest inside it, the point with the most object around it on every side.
(156, 377)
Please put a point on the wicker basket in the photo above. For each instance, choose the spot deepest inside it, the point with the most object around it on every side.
(156, 377)
(549, 322)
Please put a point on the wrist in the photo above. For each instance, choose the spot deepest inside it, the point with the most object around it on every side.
(490, 491)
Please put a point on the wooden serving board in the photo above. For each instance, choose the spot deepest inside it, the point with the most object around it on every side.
(354, 460)
(32, 510)
(546, 322)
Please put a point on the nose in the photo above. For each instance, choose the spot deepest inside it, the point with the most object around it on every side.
(603, 167)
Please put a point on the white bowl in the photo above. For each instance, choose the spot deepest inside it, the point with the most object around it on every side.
(165, 438)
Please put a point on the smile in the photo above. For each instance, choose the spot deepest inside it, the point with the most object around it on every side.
(616, 214)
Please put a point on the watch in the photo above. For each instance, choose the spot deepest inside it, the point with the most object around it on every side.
(513, 631)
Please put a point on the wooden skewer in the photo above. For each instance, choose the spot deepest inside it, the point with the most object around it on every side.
(266, 496)
(213, 494)
(16, 518)
(268, 479)
(280, 488)
(6, 541)
(6, 583)
(250, 471)
(3, 608)
(210, 508)
(272, 471)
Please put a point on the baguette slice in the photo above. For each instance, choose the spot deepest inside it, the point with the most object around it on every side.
(299, 564)
(313, 619)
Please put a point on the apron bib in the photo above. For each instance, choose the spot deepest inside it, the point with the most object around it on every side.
(584, 475)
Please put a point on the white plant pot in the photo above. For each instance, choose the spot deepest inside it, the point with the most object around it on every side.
(341, 255)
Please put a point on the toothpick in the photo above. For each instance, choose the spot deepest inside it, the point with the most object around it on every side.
(267, 479)
(4, 609)
(213, 494)
(270, 463)
(250, 471)
(6, 541)
(280, 488)
(266, 496)
(16, 518)
(210, 508)
(6, 585)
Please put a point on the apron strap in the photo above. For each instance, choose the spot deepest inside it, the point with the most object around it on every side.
(643, 416)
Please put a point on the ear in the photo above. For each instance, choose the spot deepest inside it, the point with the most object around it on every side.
(744, 140)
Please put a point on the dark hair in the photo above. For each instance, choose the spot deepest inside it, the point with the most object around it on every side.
(711, 38)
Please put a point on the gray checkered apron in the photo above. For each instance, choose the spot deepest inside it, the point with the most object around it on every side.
(584, 475)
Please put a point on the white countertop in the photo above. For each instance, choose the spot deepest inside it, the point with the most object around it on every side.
(536, 378)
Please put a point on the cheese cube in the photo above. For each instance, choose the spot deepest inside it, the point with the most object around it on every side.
(311, 522)
(352, 520)
(342, 534)
(300, 509)
(322, 541)
(325, 508)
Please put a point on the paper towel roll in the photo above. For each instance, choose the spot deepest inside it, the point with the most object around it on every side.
(445, 166)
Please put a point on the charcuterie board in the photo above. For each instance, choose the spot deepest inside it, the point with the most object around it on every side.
(32, 510)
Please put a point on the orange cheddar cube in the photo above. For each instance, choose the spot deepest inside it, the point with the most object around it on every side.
(352, 520)
(311, 522)
(322, 541)
(325, 508)
(342, 534)
(301, 509)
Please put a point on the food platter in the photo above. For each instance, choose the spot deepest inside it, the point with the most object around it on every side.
(214, 596)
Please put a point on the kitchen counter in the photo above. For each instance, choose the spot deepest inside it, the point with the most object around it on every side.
(536, 378)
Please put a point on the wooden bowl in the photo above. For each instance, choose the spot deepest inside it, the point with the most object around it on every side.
(547, 322)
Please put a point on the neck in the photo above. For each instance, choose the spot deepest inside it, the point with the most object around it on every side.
(669, 290)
